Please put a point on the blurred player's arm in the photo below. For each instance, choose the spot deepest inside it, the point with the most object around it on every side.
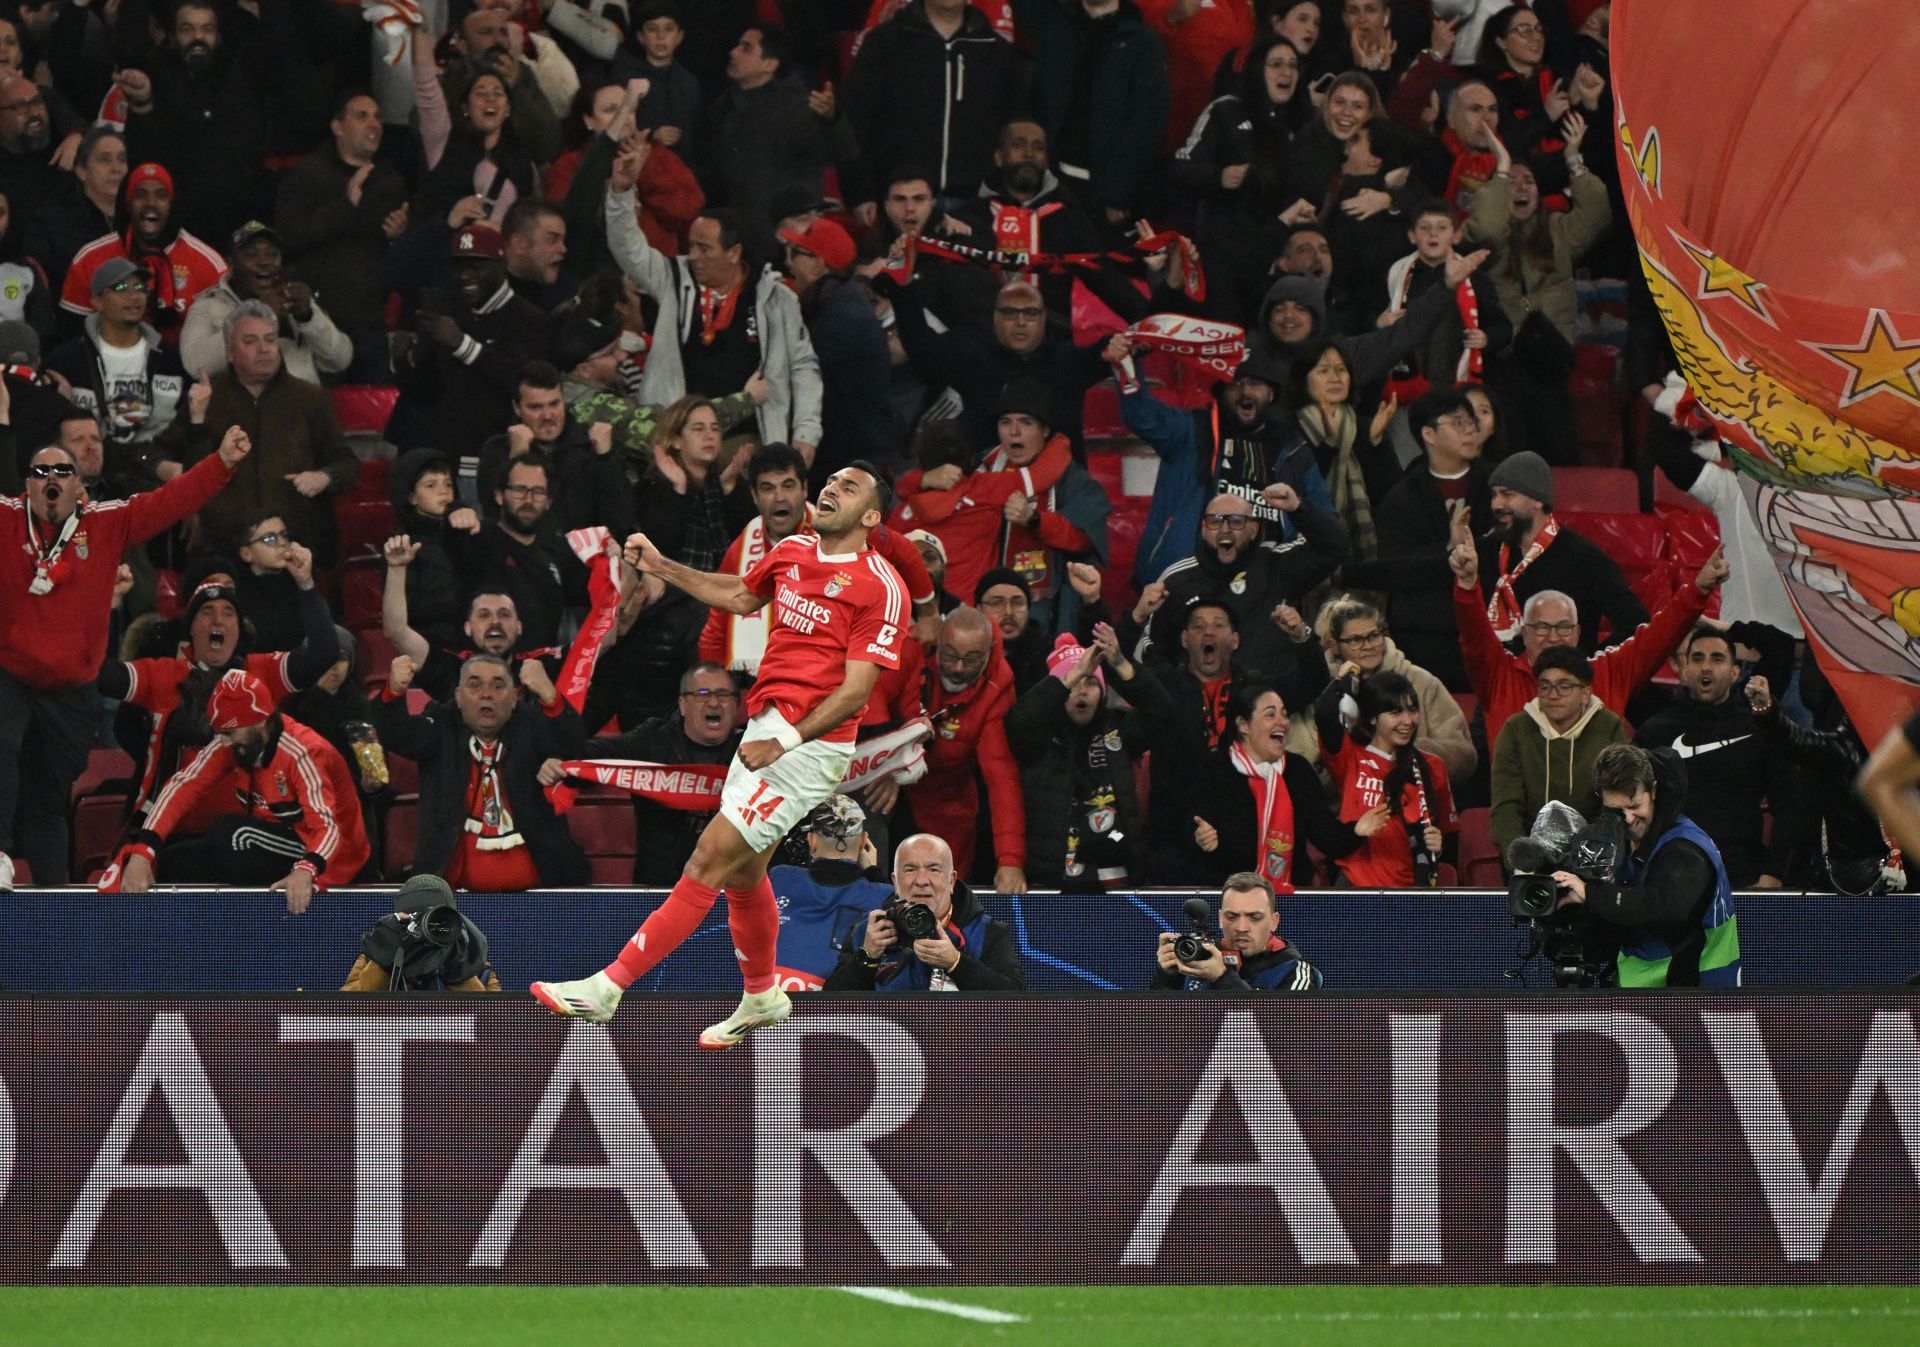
(1890, 783)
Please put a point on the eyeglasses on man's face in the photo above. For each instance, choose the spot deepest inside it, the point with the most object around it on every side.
(273, 539)
(46, 470)
(711, 694)
(1557, 689)
(525, 492)
(1551, 628)
(131, 286)
(1230, 521)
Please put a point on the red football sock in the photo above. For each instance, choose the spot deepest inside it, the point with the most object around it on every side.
(754, 917)
(672, 922)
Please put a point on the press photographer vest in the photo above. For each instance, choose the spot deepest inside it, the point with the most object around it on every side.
(1646, 960)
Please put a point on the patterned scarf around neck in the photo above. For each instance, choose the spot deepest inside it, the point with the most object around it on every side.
(1504, 609)
(1345, 479)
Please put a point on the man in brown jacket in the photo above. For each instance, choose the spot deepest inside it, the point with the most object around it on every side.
(300, 456)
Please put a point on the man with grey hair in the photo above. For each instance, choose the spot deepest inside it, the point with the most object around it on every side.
(303, 460)
(310, 343)
(486, 823)
(931, 935)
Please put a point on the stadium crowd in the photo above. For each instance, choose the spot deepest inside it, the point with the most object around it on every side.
(346, 344)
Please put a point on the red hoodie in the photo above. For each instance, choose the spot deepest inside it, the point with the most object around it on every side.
(57, 640)
(969, 519)
(969, 730)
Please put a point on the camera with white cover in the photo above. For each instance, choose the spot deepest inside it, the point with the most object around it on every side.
(1562, 840)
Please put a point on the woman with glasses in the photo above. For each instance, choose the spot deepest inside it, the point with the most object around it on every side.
(1548, 751)
(1354, 636)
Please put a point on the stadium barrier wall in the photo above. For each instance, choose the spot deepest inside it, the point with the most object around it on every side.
(1676, 1138)
(79, 941)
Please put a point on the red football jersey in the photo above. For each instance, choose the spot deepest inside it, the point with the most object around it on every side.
(825, 611)
(1385, 860)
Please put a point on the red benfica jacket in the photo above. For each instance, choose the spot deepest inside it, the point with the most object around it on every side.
(737, 642)
(970, 519)
(969, 730)
(301, 781)
(57, 640)
(1504, 682)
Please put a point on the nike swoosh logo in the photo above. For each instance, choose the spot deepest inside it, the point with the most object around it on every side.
(1686, 750)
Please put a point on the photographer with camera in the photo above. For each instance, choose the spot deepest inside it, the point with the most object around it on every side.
(1668, 902)
(1248, 956)
(931, 936)
(824, 904)
(430, 948)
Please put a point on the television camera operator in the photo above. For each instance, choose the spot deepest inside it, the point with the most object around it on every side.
(1249, 955)
(931, 935)
(1643, 883)
(425, 945)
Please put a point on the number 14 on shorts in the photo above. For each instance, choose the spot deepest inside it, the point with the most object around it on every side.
(760, 805)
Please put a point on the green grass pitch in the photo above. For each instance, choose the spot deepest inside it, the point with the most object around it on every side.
(1329, 1316)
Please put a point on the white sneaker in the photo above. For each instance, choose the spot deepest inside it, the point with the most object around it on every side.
(592, 999)
(6, 873)
(757, 1010)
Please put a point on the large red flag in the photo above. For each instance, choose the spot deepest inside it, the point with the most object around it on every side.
(1762, 150)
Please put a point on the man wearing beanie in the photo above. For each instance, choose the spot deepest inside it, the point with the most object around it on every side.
(299, 829)
(1529, 551)
(1085, 829)
(967, 701)
(147, 233)
(173, 688)
(1005, 597)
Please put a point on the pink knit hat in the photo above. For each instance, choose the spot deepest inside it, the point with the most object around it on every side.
(1066, 656)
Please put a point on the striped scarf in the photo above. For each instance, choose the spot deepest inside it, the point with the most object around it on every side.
(1344, 477)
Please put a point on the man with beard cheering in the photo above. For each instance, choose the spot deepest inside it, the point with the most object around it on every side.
(178, 265)
(202, 108)
(1531, 552)
(59, 556)
(299, 827)
(839, 616)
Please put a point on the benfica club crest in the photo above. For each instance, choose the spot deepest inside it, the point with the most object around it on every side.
(839, 582)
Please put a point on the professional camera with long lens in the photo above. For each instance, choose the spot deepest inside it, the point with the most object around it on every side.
(1192, 946)
(913, 921)
(1579, 954)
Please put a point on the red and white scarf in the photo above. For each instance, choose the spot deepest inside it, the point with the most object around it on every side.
(696, 786)
(1504, 610)
(1273, 806)
(51, 564)
(1400, 286)
(603, 597)
(1214, 350)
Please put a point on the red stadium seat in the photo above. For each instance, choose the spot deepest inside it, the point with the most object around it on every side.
(361, 583)
(363, 408)
(1638, 542)
(1100, 414)
(363, 526)
(603, 828)
(98, 821)
(1125, 524)
(1108, 467)
(610, 869)
(402, 836)
(1598, 405)
(375, 654)
(1665, 493)
(103, 765)
(1467, 702)
(1479, 858)
(1598, 490)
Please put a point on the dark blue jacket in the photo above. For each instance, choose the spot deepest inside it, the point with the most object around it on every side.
(823, 911)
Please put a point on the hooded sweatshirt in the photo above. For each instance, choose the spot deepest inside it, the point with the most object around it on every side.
(1534, 763)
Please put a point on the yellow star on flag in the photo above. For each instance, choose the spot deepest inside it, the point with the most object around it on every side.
(1721, 277)
(1880, 362)
(1646, 158)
